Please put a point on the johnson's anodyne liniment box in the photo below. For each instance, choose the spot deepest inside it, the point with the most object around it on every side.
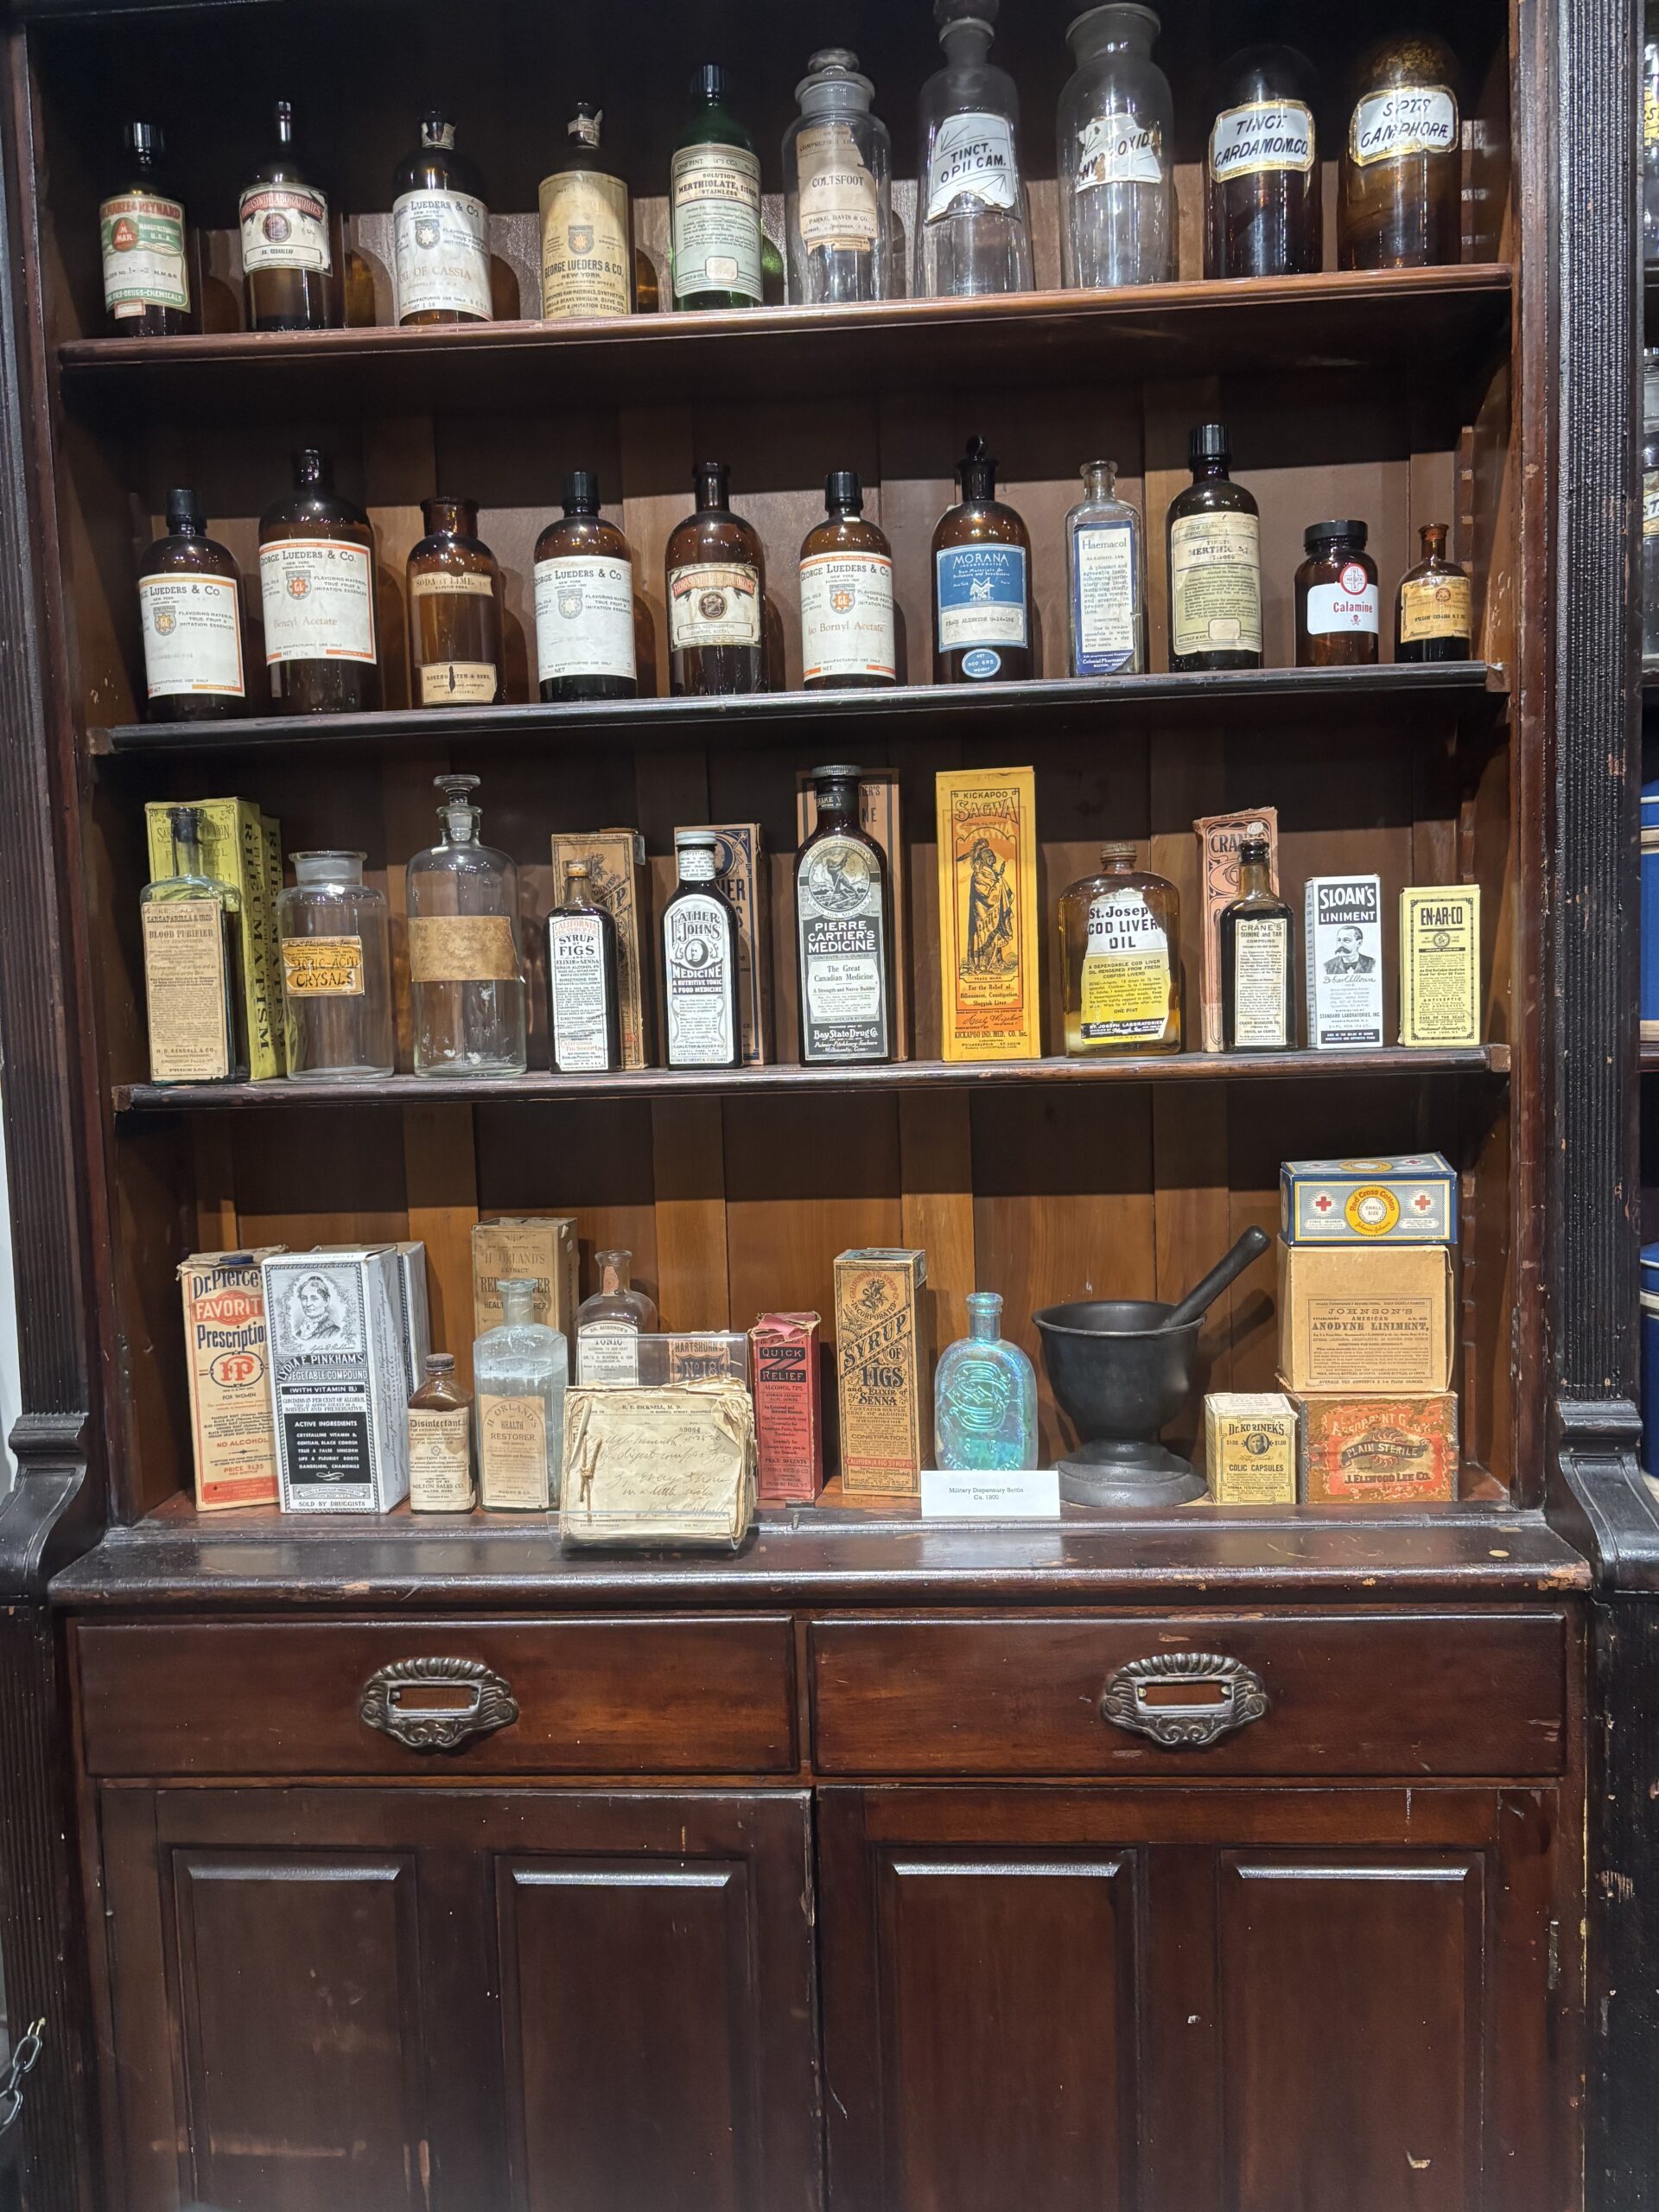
(337, 1379)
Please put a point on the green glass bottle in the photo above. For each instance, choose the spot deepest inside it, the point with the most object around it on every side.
(715, 204)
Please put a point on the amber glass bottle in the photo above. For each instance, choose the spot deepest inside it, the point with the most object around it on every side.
(1120, 959)
(440, 232)
(1262, 170)
(982, 582)
(584, 601)
(1215, 563)
(145, 249)
(455, 612)
(292, 257)
(190, 612)
(1402, 162)
(847, 635)
(842, 938)
(587, 227)
(1435, 613)
(440, 1416)
(1335, 598)
(1258, 960)
(716, 576)
(316, 586)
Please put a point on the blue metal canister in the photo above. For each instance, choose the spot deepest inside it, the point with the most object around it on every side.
(1650, 1357)
(1651, 914)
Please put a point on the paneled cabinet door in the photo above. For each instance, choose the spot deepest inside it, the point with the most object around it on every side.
(1107, 2000)
(364, 2000)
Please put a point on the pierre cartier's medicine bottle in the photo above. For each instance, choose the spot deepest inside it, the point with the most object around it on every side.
(440, 232)
(1258, 966)
(584, 601)
(1120, 958)
(717, 578)
(841, 932)
(1402, 205)
(1215, 564)
(1336, 618)
(846, 630)
(190, 612)
(1435, 612)
(454, 611)
(292, 257)
(142, 235)
(1262, 167)
(316, 583)
(982, 582)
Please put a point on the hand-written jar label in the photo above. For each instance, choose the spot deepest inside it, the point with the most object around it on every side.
(1442, 606)
(1349, 604)
(440, 1460)
(1105, 610)
(318, 595)
(458, 683)
(1216, 577)
(847, 616)
(322, 967)
(587, 265)
(461, 948)
(584, 617)
(143, 239)
(715, 219)
(1406, 119)
(712, 603)
(608, 1352)
(512, 1469)
(839, 202)
(1120, 149)
(579, 990)
(451, 584)
(1260, 138)
(1260, 980)
(981, 596)
(972, 158)
(284, 227)
(193, 636)
(1125, 982)
(186, 987)
(441, 255)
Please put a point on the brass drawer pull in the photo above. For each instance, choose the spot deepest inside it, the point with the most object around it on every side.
(1184, 1700)
(432, 1705)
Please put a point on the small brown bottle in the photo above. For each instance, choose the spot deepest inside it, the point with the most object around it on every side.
(1258, 961)
(440, 232)
(439, 1419)
(1336, 616)
(142, 233)
(584, 601)
(316, 587)
(1262, 167)
(581, 980)
(1215, 563)
(847, 632)
(190, 612)
(454, 611)
(292, 256)
(1434, 614)
(1402, 203)
(842, 935)
(982, 582)
(1120, 959)
(716, 596)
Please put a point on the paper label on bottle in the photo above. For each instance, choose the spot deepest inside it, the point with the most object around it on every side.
(1349, 604)
(608, 1352)
(1650, 117)
(318, 595)
(512, 1469)
(284, 227)
(322, 967)
(1215, 573)
(839, 913)
(579, 990)
(1442, 606)
(142, 237)
(1404, 120)
(972, 158)
(587, 263)
(1260, 980)
(714, 217)
(839, 201)
(1120, 149)
(461, 948)
(452, 583)
(186, 990)
(1261, 138)
(714, 603)
(584, 617)
(1650, 502)
(440, 1460)
(193, 636)
(1125, 981)
(700, 984)
(981, 596)
(847, 616)
(458, 682)
(1105, 613)
(441, 254)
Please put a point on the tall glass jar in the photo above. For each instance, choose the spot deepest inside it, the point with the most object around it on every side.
(1106, 578)
(520, 1372)
(1261, 169)
(336, 970)
(973, 231)
(837, 187)
(1651, 509)
(1114, 144)
(1402, 160)
(1651, 134)
(465, 966)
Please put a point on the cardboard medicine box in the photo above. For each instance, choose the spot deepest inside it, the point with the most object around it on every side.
(227, 1358)
(1342, 955)
(740, 873)
(540, 1248)
(1250, 1447)
(338, 1376)
(616, 877)
(991, 1002)
(1411, 1199)
(788, 1408)
(1364, 1319)
(881, 1369)
(1365, 1451)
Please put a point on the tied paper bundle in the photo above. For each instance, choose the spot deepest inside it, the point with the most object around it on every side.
(669, 1466)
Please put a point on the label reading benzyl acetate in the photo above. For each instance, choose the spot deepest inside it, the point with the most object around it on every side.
(1216, 577)
(838, 197)
(577, 985)
(193, 636)
(586, 264)
(584, 617)
(700, 984)
(1441, 606)
(1120, 149)
(441, 254)
(715, 216)
(1125, 983)
(1260, 138)
(1406, 119)
(143, 239)
(847, 616)
(318, 595)
(972, 158)
(981, 596)
(1105, 616)
(838, 912)
(713, 603)
(284, 227)
(1260, 959)
(1348, 604)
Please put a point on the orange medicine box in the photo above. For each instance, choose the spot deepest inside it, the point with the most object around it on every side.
(788, 1408)
(1386, 1451)
(228, 1360)
(880, 1369)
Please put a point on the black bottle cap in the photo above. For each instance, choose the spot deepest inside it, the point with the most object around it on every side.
(976, 472)
(842, 489)
(709, 479)
(1208, 443)
(184, 515)
(1253, 849)
(144, 139)
(839, 774)
(312, 466)
(1320, 533)
(709, 81)
(581, 492)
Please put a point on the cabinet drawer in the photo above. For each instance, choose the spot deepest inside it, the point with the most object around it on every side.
(1364, 1693)
(595, 1697)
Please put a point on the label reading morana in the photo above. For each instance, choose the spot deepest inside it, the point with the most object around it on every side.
(586, 266)
(322, 967)
(193, 637)
(284, 227)
(981, 596)
(1261, 138)
(143, 239)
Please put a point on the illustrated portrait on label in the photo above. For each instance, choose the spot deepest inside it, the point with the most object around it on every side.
(1349, 957)
(317, 1315)
(990, 909)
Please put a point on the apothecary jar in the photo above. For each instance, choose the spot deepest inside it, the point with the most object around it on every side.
(336, 970)
(1115, 145)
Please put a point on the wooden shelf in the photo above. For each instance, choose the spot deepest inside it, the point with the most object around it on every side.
(1339, 320)
(1389, 694)
(541, 1088)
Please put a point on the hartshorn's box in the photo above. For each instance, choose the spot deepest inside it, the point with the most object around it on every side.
(881, 1369)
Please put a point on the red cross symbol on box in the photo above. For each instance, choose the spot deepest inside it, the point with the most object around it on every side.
(1422, 1202)
(1324, 1203)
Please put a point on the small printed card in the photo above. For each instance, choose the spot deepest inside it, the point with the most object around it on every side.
(1029, 1494)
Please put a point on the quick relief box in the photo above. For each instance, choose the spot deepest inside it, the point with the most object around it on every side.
(1410, 1199)
(1343, 950)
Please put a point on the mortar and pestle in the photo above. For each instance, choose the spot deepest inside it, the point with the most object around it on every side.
(1121, 1369)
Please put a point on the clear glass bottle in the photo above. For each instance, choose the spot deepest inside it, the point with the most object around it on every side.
(1215, 563)
(440, 1422)
(316, 587)
(440, 232)
(982, 582)
(144, 245)
(1115, 150)
(465, 966)
(520, 1371)
(837, 188)
(1258, 960)
(331, 931)
(585, 1016)
(610, 1324)
(190, 924)
(190, 614)
(985, 1394)
(973, 231)
(454, 611)
(1106, 578)
(1650, 508)
(1434, 618)
(843, 935)
(584, 601)
(716, 591)
(1261, 169)
(1119, 957)
(700, 979)
(587, 229)
(292, 255)
(1651, 134)
(847, 626)
(714, 244)
(1337, 616)
(1402, 205)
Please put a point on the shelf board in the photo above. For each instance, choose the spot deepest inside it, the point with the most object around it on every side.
(1344, 319)
(1070, 705)
(542, 1088)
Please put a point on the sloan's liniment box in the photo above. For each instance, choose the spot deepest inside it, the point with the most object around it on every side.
(881, 1369)
(788, 1408)
(337, 1379)
(228, 1362)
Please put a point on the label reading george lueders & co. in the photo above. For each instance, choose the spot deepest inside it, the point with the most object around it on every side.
(318, 596)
